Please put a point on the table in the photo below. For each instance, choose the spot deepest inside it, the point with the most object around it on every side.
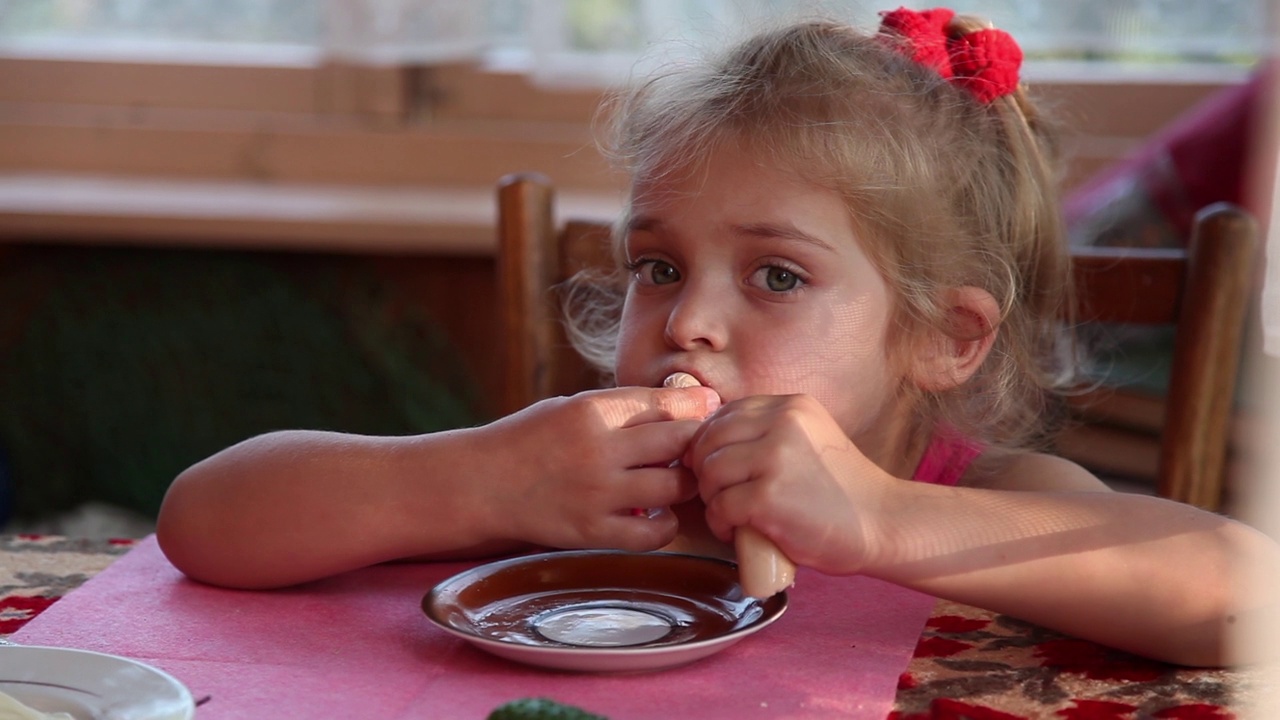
(968, 664)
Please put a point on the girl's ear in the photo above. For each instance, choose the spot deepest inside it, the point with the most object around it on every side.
(945, 360)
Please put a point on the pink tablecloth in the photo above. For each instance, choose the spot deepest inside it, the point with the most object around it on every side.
(359, 646)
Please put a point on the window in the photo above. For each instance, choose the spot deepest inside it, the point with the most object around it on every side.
(597, 40)
(319, 120)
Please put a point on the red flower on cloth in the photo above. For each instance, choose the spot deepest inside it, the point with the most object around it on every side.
(956, 623)
(1097, 662)
(1097, 710)
(17, 611)
(1197, 711)
(946, 709)
(939, 647)
(907, 681)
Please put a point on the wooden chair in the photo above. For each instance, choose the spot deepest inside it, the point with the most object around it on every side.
(1187, 431)
(1180, 440)
(534, 256)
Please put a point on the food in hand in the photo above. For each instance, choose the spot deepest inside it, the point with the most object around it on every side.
(763, 570)
(540, 709)
(680, 380)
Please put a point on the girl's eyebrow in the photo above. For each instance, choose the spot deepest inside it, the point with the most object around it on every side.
(784, 231)
(643, 223)
(763, 230)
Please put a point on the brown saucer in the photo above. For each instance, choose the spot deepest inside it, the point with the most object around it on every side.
(601, 610)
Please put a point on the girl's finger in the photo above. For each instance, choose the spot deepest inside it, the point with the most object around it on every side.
(732, 465)
(659, 404)
(640, 533)
(656, 443)
(727, 510)
(656, 487)
(734, 426)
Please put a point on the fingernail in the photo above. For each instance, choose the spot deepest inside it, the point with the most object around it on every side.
(713, 401)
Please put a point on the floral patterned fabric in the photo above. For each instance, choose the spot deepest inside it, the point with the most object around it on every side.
(970, 664)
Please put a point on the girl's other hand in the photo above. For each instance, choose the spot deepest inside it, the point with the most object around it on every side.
(575, 467)
(782, 465)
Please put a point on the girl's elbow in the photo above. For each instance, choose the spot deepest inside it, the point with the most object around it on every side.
(1202, 652)
(189, 544)
(179, 545)
(203, 562)
(1224, 610)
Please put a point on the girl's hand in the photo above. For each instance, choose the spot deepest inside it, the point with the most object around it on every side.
(782, 465)
(572, 470)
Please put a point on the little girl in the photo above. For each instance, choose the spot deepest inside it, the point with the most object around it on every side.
(853, 242)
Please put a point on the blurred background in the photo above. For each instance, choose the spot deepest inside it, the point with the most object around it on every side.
(219, 219)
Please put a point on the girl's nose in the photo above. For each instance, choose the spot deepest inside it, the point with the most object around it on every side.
(697, 321)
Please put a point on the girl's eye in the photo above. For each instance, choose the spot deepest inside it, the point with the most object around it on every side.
(779, 279)
(654, 272)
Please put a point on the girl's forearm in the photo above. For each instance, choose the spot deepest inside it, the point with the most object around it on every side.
(294, 506)
(1167, 587)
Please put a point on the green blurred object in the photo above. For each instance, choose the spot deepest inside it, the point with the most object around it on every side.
(120, 367)
(540, 709)
(1129, 356)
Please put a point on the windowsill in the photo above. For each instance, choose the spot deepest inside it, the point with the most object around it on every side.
(37, 207)
(1068, 72)
(172, 52)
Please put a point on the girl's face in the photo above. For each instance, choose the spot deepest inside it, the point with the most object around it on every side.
(754, 281)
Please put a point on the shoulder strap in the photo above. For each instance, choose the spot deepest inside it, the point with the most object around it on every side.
(946, 458)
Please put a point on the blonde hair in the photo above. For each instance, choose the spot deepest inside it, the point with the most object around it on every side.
(946, 192)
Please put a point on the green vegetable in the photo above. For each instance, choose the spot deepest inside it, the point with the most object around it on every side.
(540, 709)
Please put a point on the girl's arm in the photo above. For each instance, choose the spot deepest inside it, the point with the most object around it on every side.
(1139, 573)
(1045, 541)
(293, 506)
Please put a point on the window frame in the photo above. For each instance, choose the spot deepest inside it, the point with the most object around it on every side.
(148, 137)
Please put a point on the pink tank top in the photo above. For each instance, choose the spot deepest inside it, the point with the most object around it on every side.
(946, 458)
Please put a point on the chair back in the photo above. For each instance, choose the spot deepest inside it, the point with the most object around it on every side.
(535, 256)
(1202, 290)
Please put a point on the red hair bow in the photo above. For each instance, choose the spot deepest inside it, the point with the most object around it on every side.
(925, 33)
(984, 62)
